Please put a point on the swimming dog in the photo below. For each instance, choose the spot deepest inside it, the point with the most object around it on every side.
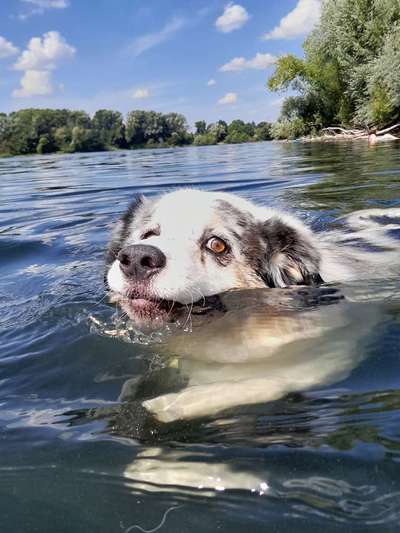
(192, 249)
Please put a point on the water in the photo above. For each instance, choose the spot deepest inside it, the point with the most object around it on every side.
(77, 455)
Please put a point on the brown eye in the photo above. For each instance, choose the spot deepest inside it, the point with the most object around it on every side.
(216, 245)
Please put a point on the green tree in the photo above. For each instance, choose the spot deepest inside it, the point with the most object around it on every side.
(201, 127)
(109, 127)
(143, 126)
(240, 132)
(5, 131)
(204, 139)
(85, 140)
(78, 118)
(218, 130)
(134, 128)
(176, 129)
(346, 76)
(45, 144)
(263, 131)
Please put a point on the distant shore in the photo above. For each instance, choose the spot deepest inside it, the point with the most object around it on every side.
(45, 131)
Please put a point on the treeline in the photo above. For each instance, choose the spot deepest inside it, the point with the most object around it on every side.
(235, 132)
(60, 130)
(350, 74)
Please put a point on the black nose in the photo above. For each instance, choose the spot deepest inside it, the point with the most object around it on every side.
(139, 261)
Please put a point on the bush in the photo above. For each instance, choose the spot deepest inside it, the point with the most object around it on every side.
(85, 140)
(237, 137)
(263, 132)
(45, 145)
(205, 139)
(288, 129)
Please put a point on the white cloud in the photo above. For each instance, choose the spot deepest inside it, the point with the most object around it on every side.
(42, 55)
(237, 63)
(48, 4)
(150, 40)
(34, 83)
(141, 93)
(7, 49)
(258, 62)
(228, 98)
(298, 22)
(233, 18)
(211, 82)
(38, 7)
(261, 61)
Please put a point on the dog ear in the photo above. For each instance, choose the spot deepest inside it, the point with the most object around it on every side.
(122, 228)
(291, 256)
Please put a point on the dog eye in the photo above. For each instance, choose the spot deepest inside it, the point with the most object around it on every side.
(216, 245)
(149, 233)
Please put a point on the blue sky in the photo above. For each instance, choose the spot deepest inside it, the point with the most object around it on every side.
(206, 59)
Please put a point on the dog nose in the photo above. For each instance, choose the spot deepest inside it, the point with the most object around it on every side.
(139, 261)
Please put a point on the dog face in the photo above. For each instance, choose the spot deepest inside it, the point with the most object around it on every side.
(188, 245)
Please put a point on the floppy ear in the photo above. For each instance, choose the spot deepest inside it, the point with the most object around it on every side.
(121, 230)
(291, 255)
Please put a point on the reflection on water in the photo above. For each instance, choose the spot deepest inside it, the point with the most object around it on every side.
(283, 410)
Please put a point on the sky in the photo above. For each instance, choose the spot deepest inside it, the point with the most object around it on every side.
(207, 59)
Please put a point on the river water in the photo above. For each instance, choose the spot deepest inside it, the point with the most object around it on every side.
(77, 456)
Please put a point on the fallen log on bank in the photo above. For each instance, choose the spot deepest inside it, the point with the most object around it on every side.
(373, 135)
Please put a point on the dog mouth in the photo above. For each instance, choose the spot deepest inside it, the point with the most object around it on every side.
(145, 309)
(152, 306)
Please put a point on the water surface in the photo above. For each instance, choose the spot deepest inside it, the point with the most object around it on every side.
(74, 456)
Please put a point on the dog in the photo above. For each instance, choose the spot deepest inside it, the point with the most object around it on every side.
(191, 251)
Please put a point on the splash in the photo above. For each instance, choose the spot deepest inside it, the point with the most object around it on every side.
(127, 331)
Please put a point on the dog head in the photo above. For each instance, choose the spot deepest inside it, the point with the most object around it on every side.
(187, 245)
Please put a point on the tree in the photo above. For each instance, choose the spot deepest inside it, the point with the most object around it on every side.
(143, 126)
(78, 118)
(85, 140)
(218, 130)
(151, 129)
(176, 129)
(45, 144)
(348, 75)
(109, 127)
(383, 86)
(134, 129)
(201, 127)
(5, 130)
(240, 132)
(263, 131)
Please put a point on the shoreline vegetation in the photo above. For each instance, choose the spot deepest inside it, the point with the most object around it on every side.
(347, 85)
(45, 131)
